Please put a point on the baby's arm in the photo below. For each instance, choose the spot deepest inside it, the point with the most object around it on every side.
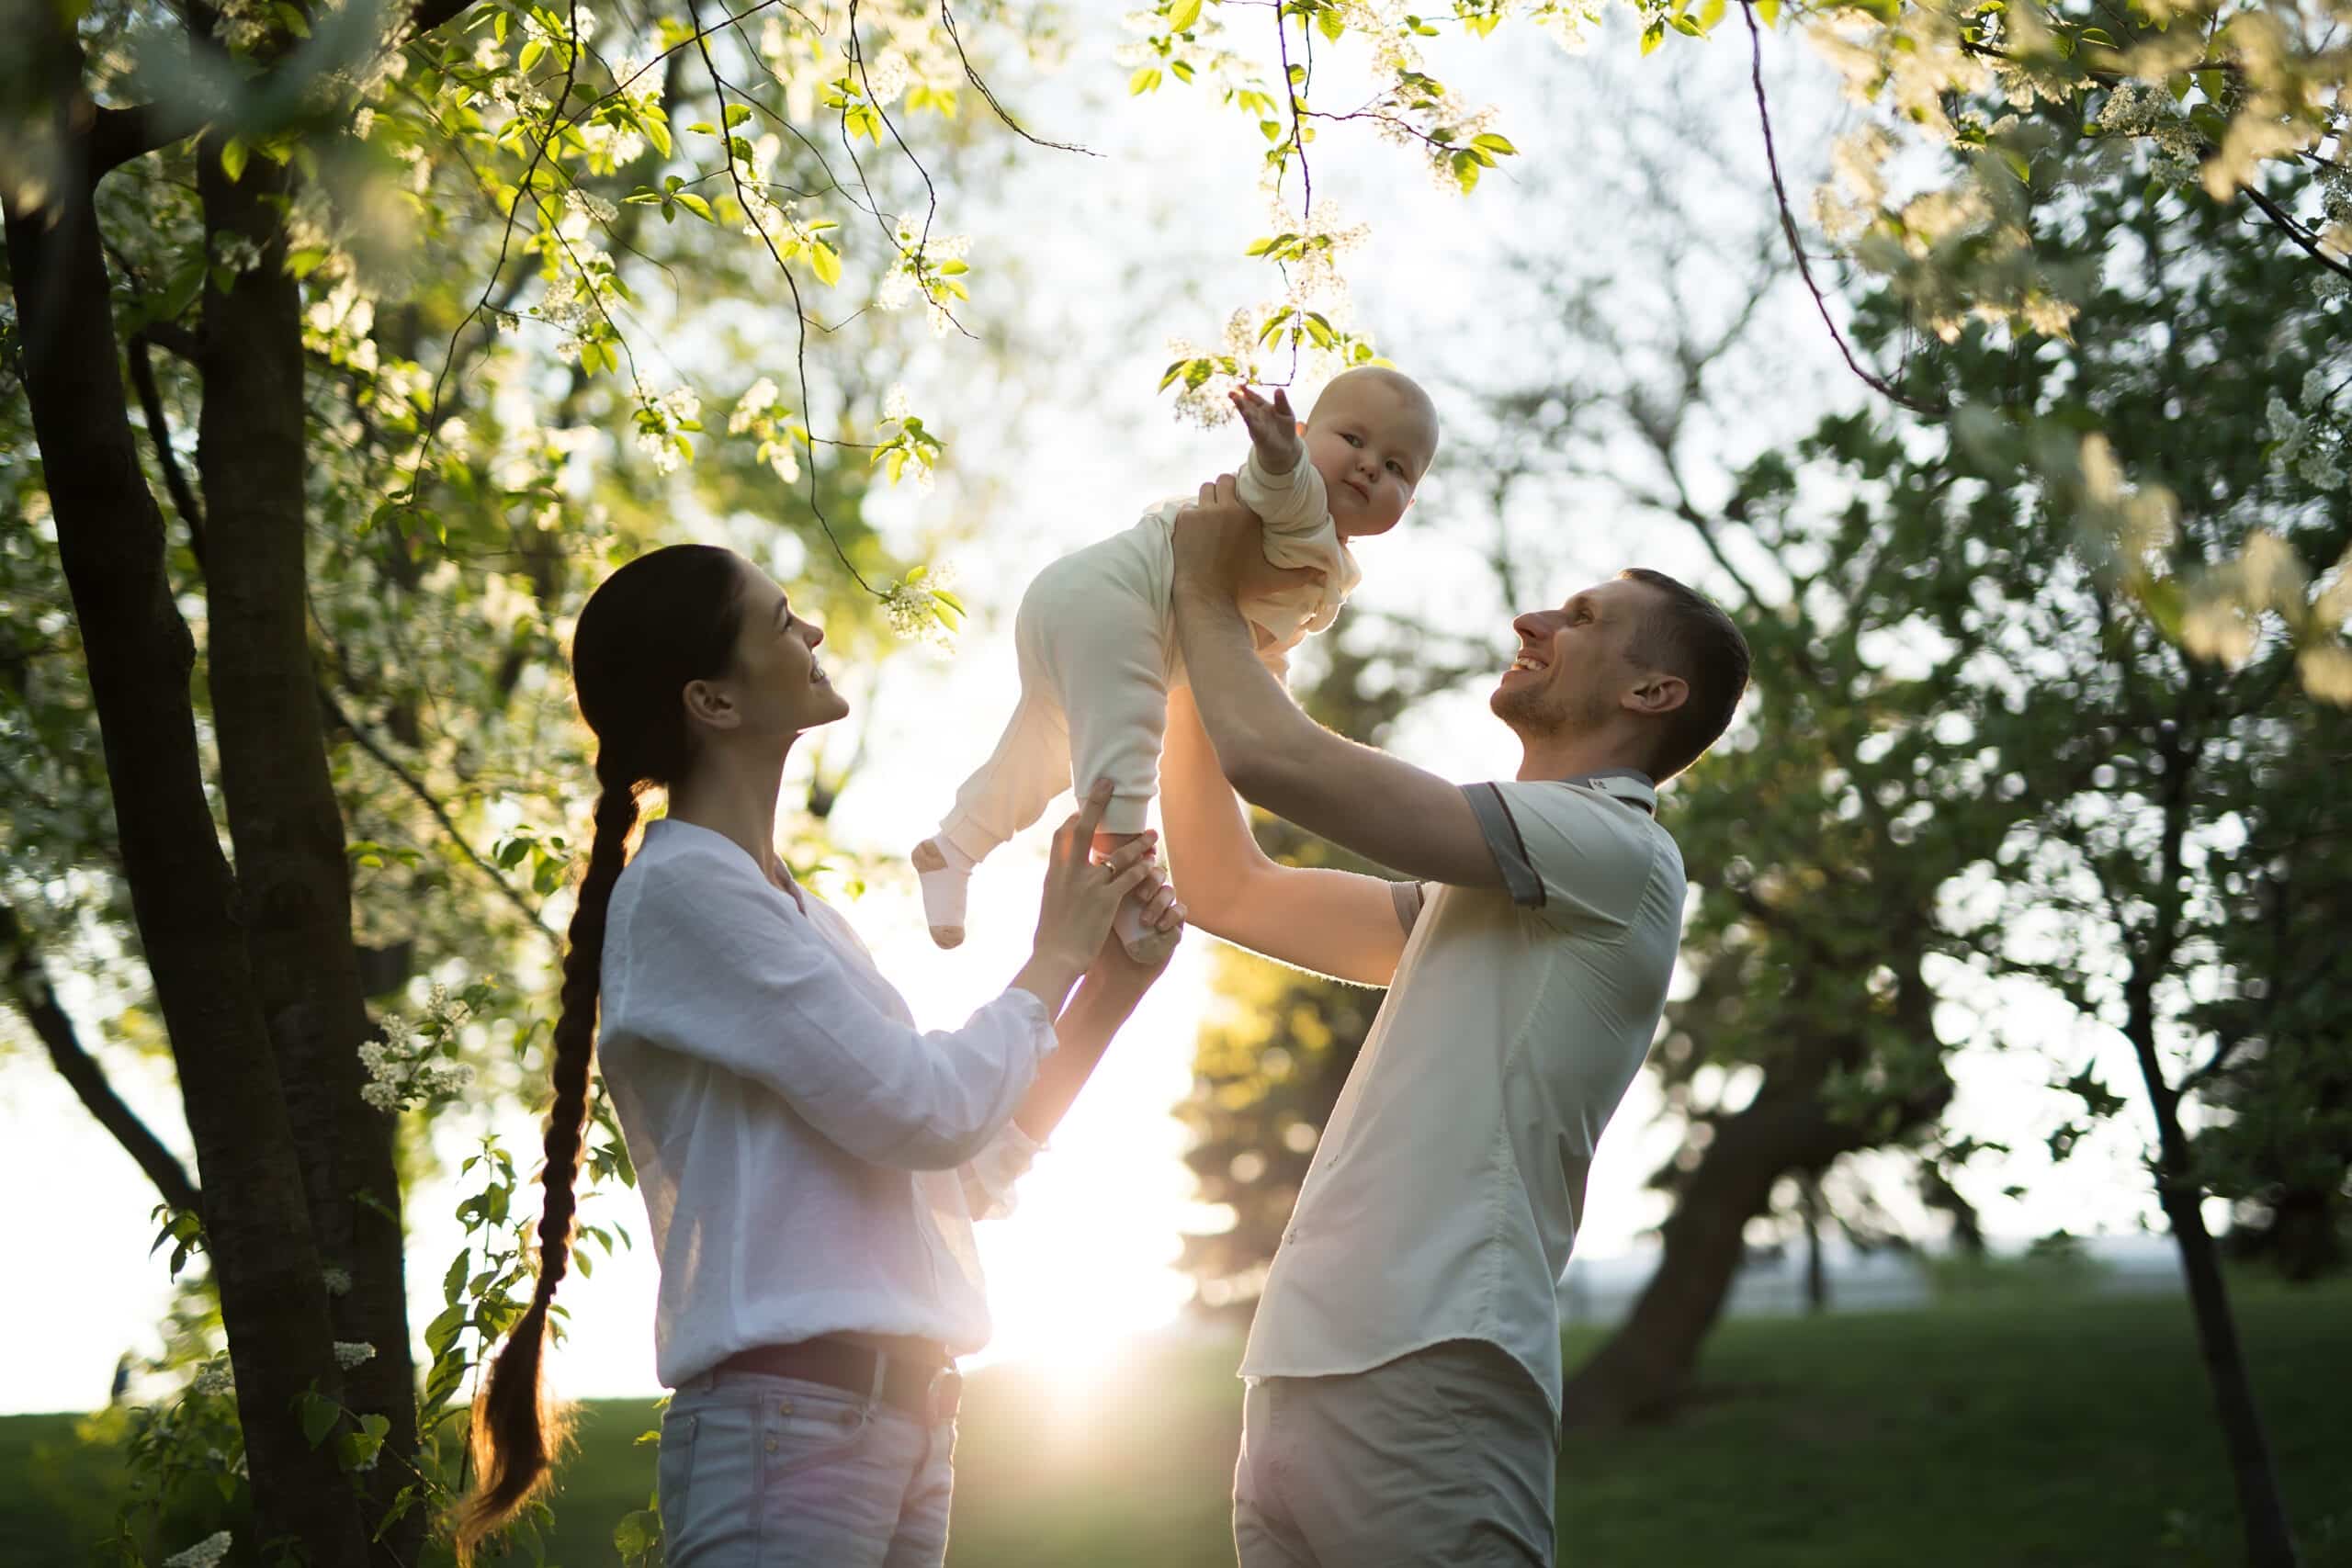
(1277, 483)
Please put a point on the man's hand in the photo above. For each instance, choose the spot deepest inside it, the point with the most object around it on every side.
(1274, 430)
(1221, 549)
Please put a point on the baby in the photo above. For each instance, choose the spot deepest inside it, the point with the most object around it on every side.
(1096, 631)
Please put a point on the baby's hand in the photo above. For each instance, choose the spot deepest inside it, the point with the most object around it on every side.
(1273, 431)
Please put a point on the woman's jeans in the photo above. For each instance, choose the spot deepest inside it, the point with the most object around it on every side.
(766, 1472)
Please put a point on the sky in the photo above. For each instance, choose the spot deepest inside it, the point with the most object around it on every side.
(1152, 230)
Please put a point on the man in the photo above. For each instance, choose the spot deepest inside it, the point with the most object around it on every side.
(1404, 1367)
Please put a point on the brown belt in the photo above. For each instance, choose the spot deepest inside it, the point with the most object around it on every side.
(929, 1389)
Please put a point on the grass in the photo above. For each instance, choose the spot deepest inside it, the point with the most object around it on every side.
(1998, 1431)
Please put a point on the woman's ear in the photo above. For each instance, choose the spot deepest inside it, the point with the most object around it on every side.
(712, 704)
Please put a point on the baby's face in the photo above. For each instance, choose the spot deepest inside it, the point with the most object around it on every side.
(1372, 442)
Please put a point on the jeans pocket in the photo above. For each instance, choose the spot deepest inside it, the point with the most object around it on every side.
(810, 1425)
(673, 1474)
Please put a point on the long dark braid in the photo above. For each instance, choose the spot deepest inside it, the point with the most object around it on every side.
(666, 618)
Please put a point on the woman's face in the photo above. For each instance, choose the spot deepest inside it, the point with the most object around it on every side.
(778, 685)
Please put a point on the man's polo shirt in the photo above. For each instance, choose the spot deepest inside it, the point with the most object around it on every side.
(1447, 1189)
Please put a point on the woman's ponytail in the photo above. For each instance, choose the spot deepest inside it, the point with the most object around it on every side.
(516, 1431)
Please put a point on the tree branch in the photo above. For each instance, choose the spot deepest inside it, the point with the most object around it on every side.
(1789, 226)
(440, 814)
(119, 135)
(29, 989)
(159, 431)
(2296, 232)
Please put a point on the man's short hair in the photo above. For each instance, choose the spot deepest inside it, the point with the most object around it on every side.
(1687, 634)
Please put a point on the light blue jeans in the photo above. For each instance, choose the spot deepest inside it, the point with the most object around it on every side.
(766, 1471)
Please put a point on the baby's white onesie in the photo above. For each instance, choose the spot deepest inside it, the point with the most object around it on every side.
(1096, 642)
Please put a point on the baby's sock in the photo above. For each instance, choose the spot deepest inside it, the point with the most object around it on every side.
(944, 871)
(1128, 927)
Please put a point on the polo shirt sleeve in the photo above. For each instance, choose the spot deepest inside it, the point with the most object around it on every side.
(718, 971)
(1570, 855)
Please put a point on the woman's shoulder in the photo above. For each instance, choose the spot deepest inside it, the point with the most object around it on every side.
(679, 866)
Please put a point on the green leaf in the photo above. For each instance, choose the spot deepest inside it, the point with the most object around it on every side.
(1146, 78)
(737, 113)
(443, 1331)
(826, 262)
(1709, 15)
(655, 128)
(1686, 26)
(1488, 142)
(1183, 14)
(532, 53)
(1652, 36)
(1767, 12)
(696, 206)
(234, 152)
(1331, 22)
(319, 1415)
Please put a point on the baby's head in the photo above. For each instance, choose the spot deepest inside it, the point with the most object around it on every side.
(1372, 436)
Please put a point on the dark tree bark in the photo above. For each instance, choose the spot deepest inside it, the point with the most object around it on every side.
(283, 815)
(110, 541)
(1644, 1369)
(29, 989)
(1817, 1277)
(2262, 1508)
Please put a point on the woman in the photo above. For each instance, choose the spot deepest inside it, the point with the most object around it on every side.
(810, 1162)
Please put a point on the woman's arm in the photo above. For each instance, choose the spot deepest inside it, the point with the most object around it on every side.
(1105, 998)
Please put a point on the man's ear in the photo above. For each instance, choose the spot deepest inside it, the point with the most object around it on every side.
(1658, 692)
(712, 704)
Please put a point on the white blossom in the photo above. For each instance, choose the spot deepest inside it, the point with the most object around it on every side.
(205, 1553)
(757, 398)
(336, 1280)
(213, 1378)
(349, 1353)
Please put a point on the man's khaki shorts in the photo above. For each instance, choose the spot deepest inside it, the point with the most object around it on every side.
(1447, 1455)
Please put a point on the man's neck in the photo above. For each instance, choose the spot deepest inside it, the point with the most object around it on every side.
(734, 795)
(1577, 755)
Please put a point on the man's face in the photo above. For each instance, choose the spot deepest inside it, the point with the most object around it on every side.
(1574, 666)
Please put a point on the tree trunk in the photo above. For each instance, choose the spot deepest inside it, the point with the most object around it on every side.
(1817, 1277)
(2262, 1508)
(110, 541)
(282, 815)
(1644, 1368)
(28, 987)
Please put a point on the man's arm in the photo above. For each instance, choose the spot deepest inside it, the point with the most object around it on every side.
(1280, 758)
(1335, 922)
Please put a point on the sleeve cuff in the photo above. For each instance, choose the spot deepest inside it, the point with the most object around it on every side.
(1504, 843)
(988, 1179)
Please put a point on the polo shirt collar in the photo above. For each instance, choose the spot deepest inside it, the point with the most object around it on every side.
(1629, 785)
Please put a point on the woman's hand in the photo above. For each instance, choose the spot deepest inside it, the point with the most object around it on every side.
(1080, 895)
(1163, 924)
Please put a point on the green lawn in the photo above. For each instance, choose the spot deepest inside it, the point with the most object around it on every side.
(2004, 1433)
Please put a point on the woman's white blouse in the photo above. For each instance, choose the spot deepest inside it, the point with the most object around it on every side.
(810, 1161)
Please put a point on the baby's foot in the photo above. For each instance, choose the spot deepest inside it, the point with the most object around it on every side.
(1144, 944)
(943, 871)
